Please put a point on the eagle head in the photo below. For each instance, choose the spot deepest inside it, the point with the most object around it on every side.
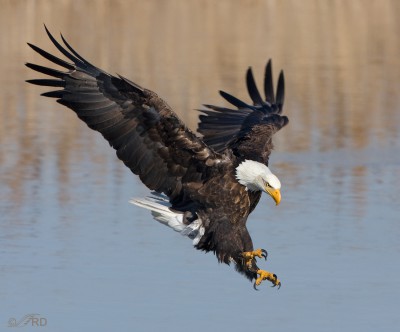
(256, 176)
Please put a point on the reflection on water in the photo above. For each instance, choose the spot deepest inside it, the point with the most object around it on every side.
(69, 239)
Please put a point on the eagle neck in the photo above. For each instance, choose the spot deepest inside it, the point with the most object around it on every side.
(249, 174)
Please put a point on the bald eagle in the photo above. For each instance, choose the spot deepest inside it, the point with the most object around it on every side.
(204, 186)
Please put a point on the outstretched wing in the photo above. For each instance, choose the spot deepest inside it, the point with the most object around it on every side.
(247, 130)
(147, 135)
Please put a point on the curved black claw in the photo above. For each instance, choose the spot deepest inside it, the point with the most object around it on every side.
(279, 284)
(255, 286)
(264, 254)
(276, 282)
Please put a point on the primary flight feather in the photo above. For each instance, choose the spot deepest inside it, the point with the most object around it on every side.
(203, 187)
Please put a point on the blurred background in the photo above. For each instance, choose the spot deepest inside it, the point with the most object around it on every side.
(75, 252)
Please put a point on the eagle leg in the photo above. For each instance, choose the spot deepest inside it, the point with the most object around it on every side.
(265, 275)
(248, 256)
(249, 262)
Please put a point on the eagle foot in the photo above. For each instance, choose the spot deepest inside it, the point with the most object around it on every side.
(265, 275)
(248, 256)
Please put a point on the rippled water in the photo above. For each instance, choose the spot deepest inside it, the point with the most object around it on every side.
(75, 252)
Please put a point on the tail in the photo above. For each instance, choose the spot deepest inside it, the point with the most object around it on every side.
(160, 210)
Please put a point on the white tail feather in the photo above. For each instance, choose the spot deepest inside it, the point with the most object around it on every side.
(159, 207)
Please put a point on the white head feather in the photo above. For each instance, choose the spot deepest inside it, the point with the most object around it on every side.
(254, 175)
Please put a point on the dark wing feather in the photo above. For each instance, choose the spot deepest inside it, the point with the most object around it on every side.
(269, 84)
(147, 135)
(220, 125)
(280, 93)
(247, 130)
(252, 88)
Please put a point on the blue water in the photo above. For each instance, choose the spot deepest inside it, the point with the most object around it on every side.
(85, 259)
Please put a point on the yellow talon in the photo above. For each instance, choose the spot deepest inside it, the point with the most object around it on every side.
(265, 275)
(249, 255)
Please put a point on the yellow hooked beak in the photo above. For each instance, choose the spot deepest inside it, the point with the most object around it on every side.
(274, 193)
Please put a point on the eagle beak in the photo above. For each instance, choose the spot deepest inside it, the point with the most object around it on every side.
(275, 194)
